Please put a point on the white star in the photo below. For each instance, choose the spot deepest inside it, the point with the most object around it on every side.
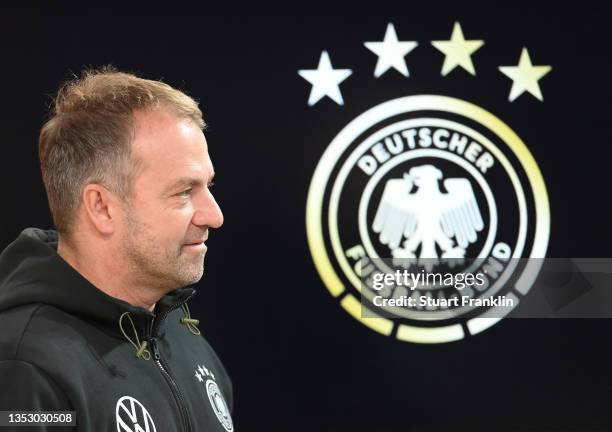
(325, 80)
(391, 52)
(199, 377)
(525, 77)
(458, 51)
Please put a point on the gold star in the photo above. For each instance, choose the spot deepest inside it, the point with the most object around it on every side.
(458, 51)
(525, 77)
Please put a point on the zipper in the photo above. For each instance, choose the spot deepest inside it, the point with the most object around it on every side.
(156, 321)
(165, 370)
(173, 386)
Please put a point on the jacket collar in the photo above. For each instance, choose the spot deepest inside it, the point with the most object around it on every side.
(31, 271)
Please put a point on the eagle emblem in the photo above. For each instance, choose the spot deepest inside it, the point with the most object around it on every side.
(427, 217)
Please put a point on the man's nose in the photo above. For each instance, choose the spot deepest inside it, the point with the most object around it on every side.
(208, 212)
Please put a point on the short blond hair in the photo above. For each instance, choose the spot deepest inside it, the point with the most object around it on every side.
(88, 136)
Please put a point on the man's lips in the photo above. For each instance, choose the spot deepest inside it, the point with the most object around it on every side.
(199, 242)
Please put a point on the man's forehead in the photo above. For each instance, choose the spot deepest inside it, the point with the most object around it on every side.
(171, 148)
(151, 124)
(147, 121)
(165, 138)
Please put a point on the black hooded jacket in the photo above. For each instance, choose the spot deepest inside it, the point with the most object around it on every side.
(67, 346)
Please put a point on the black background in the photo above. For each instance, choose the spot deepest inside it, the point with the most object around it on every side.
(297, 360)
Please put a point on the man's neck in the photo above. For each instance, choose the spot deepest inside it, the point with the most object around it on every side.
(108, 277)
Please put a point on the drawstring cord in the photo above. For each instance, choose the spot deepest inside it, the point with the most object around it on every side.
(192, 324)
(141, 347)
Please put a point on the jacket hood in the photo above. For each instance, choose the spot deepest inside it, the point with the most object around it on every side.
(31, 271)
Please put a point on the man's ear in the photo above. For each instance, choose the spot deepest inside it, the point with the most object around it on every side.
(101, 207)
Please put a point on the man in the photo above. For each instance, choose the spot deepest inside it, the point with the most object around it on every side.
(94, 317)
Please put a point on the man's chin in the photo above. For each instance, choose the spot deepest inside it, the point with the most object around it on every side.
(193, 276)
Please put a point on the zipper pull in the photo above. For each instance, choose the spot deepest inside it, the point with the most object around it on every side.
(153, 343)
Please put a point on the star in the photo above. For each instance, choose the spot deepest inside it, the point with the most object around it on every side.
(325, 80)
(458, 51)
(525, 77)
(391, 52)
(199, 377)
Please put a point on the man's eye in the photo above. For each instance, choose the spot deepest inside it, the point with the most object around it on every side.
(185, 194)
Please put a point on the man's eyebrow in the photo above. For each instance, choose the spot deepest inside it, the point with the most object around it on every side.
(187, 182)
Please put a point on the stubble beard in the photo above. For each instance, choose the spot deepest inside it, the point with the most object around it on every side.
(156, 265)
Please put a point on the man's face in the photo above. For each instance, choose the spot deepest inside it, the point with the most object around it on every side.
(171, 208)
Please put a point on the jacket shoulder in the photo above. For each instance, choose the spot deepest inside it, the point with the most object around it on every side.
(35, 331)
(32, 389)
(14, 323)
